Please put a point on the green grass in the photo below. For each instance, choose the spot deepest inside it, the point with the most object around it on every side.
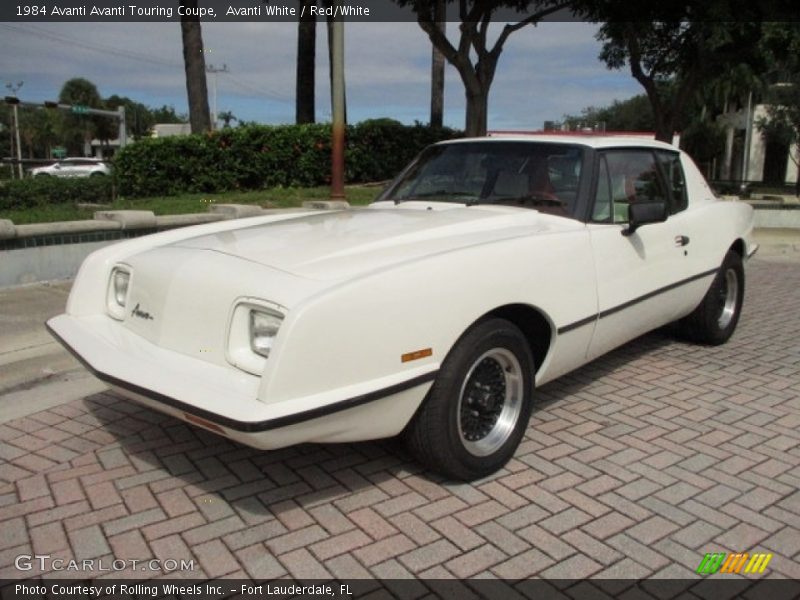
(194, 203)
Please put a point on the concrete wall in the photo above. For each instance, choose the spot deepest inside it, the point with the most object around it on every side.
(45, 263)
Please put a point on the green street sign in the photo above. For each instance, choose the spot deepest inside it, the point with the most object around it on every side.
(58, 152)
(80, 110)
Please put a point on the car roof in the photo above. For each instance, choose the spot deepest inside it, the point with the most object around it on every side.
(591, 140)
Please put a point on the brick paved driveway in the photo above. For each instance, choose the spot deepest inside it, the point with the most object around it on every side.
(633, 466)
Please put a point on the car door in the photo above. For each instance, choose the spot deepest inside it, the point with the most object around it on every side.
(638, 275)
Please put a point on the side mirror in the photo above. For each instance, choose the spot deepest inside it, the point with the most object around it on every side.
(644, 213)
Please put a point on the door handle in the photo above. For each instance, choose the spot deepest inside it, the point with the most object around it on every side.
(681, 240)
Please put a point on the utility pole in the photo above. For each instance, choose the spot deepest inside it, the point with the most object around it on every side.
(214, 70)
(14, 89)
(337, 97)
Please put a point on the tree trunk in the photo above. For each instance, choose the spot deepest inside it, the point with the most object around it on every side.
(306, 63)
(477, 112)
(437, 70)
(195, 66)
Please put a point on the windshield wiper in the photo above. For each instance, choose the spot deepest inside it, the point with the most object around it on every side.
(441, 193)
(530, 199)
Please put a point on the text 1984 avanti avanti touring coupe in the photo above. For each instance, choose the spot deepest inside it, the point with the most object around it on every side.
(488, 267)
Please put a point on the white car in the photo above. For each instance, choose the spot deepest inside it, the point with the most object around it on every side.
(486, 269)
(73, 167)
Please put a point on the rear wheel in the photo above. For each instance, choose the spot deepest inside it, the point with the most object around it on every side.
(714, 320)
(478, 408)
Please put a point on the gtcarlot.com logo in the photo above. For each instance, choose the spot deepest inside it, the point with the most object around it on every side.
(44, 562)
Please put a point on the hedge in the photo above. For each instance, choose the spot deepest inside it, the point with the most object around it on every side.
(259, 156)
(42, 191)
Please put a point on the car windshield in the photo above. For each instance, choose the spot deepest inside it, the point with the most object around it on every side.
(543, 176)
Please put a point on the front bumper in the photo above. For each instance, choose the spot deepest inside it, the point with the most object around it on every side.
(225, 400)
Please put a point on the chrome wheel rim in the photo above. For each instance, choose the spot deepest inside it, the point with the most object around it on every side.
(490, 402)
(728, 298)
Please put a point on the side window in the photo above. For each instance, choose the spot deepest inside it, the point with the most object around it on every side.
(673, 171)
(632, 176)
(602, 211)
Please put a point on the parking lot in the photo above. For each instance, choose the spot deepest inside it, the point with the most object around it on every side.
(633, 466)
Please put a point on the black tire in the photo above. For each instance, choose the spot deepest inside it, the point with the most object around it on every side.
(714, 320)
(449, 432)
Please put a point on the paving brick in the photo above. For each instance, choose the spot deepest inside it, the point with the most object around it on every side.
(440, 508)
(384, 549)
(475, 561)
(608, 525)
(102, 494)
(57, 514)
(255, 534)
(130, 545)
(296, 539)
(696, 535)
(545, 541)
(135, 521)
(502, 538)
(644, 555)
(340, 544)
(175, 502)
(457, 533)
(88, 542)
(95, 517)
(169, 527)
(565, 521)
(427, 556)
(212, 530)
(578, 566)
(742, 536)
(48, 538)
(486, 511)
(589, 546)
(717, 496)
(331, 518)
(372, 523)
(32, 487)
(14, 533)
(652, 530)
(301, 565)
(215, 558)
(523, 566)
(259, 563)
(414, 528)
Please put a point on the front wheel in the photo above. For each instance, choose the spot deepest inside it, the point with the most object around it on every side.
(714, 320)
(478, 408)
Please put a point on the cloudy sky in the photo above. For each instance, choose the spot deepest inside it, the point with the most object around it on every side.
(544, 72)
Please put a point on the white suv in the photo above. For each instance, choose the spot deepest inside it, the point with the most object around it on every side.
(73, 167)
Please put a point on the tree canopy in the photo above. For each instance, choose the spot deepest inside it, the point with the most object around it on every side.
(474, 56)
(672, 50)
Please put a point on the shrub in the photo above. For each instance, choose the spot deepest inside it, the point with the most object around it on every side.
(259, 156)
(41, 191)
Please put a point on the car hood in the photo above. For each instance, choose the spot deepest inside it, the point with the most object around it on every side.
(342, 244)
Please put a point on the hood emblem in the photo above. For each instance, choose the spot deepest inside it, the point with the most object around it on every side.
(141, 313)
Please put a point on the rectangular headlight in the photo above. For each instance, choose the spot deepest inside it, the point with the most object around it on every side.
(120, 280)
(117, 294)
(263, 329)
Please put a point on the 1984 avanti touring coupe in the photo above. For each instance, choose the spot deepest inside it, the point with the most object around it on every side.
(488, 267)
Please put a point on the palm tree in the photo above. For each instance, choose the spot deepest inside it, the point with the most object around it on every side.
(306, 63)
(195, 66)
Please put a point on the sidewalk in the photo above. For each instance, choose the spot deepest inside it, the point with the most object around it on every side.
(634, 466)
